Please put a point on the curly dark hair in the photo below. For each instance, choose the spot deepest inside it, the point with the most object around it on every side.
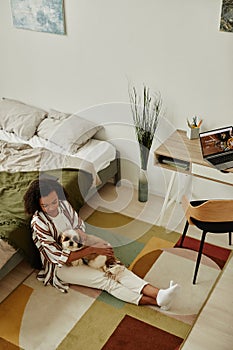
(41, 188)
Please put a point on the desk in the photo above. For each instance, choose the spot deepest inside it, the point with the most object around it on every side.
(180, 154)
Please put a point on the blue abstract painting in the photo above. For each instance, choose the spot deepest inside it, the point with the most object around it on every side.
(39, 15)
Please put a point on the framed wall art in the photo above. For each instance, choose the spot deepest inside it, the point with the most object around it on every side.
(39, 15)
(226, 22)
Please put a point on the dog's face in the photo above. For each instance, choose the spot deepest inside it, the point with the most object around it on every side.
(71, 240)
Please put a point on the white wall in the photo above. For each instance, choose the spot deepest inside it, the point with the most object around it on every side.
(174, 46)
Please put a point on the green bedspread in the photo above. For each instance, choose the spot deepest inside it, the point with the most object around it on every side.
(14, 223)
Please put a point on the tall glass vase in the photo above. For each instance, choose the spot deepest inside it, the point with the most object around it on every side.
(143, 186)
(143, 180)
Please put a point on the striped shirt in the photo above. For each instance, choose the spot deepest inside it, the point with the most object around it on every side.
(45, 236)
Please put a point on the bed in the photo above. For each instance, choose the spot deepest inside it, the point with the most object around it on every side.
(37, 143)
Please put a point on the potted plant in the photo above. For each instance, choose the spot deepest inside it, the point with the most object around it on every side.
(146, 109)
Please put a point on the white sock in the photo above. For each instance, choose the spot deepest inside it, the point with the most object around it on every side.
(166, 296)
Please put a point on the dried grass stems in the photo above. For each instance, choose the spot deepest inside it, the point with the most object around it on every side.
(146, 111)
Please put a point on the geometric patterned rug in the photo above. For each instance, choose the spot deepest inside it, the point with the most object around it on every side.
(35, 317)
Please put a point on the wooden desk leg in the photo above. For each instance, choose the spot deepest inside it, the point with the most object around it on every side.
(166, 199)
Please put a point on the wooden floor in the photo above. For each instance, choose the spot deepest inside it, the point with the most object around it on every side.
(213, 328)
(124, 199)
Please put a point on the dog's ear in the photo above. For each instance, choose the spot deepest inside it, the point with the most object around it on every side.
(78, 239)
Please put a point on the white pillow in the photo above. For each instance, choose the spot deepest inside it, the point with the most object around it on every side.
(37, 141)
(69, 133)
(20, 118)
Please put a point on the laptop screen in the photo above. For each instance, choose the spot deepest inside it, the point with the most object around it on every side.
(216, 141)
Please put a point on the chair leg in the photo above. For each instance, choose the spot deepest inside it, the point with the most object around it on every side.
(229, 238)
(199, 256)
(184, 233)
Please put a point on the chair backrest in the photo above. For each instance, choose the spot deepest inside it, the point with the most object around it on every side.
(213, 210)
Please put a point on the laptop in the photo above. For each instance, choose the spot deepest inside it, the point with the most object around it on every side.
(217, 147)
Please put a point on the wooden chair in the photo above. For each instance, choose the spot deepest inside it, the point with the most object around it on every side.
(214, 216)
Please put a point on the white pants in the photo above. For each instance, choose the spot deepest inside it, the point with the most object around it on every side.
(128, 287)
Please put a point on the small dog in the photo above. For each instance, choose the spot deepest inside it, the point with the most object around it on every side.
(71, 240)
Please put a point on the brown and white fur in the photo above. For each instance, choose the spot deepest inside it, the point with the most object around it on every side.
(71, 240)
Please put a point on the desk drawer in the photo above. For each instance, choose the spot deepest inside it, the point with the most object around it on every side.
(211, 173)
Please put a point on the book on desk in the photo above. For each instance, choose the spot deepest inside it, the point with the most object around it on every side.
(173, 162)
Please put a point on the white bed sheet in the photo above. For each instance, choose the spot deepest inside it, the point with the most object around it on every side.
(98, 153)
